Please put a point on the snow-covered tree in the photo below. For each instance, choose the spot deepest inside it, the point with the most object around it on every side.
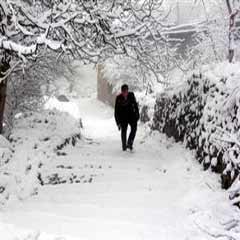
(86, 29)
(217, 38)
(91, 30)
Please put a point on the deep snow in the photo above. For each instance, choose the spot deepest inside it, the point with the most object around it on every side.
(157, 192)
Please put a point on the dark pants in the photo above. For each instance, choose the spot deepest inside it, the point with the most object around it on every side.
(132, 134)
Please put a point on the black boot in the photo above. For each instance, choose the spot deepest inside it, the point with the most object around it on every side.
(130, 147)
(124, 148)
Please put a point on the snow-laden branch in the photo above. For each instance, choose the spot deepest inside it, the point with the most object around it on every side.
(89, 30)
(24, 50)
(20, 49)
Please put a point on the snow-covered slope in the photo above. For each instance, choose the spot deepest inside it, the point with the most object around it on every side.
(38, 138)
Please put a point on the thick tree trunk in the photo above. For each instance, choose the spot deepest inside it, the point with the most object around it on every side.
(4, 66)
(3, 91)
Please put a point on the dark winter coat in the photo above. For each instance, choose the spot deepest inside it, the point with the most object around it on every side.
(126, 110)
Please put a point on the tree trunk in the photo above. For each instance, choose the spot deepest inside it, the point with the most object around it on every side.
(231, 37)
(232, 25)
(4, 66)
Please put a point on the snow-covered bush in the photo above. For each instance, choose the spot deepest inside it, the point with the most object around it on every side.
(27, 88)
(204, 113)
(37, 139)
(146, 105)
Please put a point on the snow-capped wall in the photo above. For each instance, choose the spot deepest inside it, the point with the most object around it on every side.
(204, 113)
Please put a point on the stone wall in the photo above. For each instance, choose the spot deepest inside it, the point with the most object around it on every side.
(196, 116)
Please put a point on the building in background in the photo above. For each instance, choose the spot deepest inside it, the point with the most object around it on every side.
(186, 11)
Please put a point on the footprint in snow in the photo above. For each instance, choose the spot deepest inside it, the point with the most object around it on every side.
(161, 170)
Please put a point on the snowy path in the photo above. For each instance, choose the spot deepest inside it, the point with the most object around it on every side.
(158, 192)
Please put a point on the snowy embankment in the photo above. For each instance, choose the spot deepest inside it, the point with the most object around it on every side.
(38, 138)
(204, 113)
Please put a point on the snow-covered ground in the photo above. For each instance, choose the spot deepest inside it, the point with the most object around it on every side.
(157, 192)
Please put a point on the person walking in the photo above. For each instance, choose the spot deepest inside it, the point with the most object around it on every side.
(126, 113)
